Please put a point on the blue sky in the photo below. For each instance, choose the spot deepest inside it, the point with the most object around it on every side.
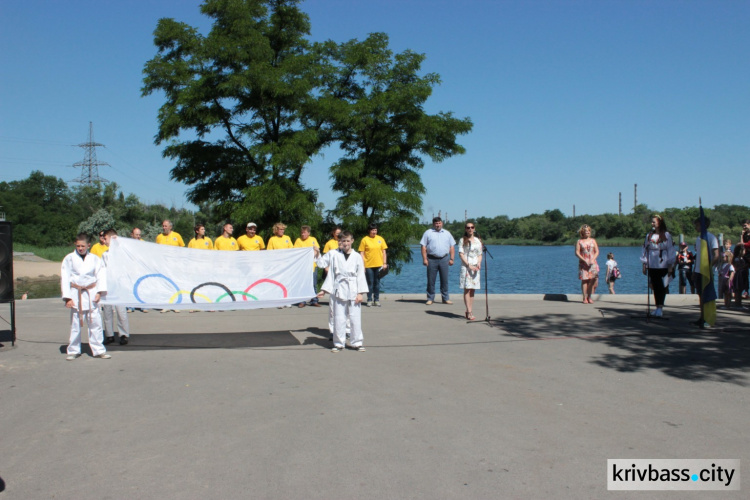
(572, 101)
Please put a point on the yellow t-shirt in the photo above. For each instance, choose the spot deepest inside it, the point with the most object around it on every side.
(201, 244)
(222, 243)
(308, 243)
(331, 245)
(98, 249)
(276, 243)
(247, 243)
(173, 239)
(373, 249)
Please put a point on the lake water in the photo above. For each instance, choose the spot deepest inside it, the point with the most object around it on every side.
(529, 269)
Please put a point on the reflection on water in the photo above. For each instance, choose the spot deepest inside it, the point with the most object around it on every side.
(529, 269)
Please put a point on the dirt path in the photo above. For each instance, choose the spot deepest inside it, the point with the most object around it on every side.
(35, 269)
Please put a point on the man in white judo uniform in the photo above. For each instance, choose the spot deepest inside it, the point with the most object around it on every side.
(346, 283)
(83, 282)
(123, 327)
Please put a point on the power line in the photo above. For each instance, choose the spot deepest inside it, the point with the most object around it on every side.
(90, 165)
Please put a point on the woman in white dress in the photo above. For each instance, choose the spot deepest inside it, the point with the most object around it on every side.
(470, 252)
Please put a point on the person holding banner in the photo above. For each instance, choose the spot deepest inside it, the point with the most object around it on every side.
(279, 241)
(704, 270)
(658, 257)
(123, 326)
(200, 242)
(83, 282)
(346, 283)
(169, 237)
(99, 248)
(226, 241)
(251, 241)
(307, 241)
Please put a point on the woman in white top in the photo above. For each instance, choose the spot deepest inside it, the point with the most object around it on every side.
(470, 252)
(658, 259)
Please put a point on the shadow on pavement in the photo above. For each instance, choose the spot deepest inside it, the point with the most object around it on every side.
(674, 347)
(445, 314)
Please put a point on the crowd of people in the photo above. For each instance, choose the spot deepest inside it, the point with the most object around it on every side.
(353, 278)
(352, 282)
(662, 261)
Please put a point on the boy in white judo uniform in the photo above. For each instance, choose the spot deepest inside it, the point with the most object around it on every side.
(83, 282)
(123, 326)
(346, 283)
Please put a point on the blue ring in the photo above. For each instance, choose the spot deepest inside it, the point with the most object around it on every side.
(137, 283)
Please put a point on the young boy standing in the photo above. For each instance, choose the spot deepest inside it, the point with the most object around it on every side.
(83, 282)
(346, 283)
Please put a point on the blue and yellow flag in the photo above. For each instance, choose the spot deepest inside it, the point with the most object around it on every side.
(707, 290)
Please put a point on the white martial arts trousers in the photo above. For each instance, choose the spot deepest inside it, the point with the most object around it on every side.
(343, 310)
(94, 321)
(123, 327)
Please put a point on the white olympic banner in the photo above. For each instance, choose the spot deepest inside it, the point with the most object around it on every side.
(147, 275)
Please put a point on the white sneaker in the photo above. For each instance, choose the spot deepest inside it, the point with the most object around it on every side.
(657, 313)
(336, 349)
(71, 357)
(103, 356)
(360, 348)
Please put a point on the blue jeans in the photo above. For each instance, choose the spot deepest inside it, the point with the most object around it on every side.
(435, 266)
(314, 300)
(372, 274)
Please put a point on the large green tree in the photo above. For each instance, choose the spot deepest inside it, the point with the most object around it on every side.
(242, 113)
(385, 134)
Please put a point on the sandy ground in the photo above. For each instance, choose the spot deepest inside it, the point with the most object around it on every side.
(24, 267)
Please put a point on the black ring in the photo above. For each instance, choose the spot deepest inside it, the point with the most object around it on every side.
(211, 283)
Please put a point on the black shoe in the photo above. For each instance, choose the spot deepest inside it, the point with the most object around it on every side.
(123, 340)
(698, 323)
(108, 340)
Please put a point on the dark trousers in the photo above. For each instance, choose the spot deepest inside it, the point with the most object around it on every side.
(435, 266)
(372, 275)
(657, 283)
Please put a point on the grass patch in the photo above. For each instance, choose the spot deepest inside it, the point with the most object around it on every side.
(55, 254)
(37, 288)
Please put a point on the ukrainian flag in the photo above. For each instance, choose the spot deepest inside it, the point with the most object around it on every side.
(707, 290)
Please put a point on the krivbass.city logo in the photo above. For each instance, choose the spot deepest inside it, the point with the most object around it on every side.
(686, 475)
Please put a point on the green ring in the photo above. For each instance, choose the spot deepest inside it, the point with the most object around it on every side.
(240, 292)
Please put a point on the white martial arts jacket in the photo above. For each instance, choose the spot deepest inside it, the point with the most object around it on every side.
(346, 277)
(84, 273)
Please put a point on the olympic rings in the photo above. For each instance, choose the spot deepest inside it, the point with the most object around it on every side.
(138, 282)
(177, 296)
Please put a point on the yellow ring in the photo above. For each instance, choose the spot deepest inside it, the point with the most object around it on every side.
(177, 294)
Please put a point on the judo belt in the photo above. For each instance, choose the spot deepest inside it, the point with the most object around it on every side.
(80, 294)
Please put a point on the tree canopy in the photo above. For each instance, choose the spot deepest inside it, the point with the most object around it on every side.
(385, 133)
(248, 105)
(241, 116)
(45, 212)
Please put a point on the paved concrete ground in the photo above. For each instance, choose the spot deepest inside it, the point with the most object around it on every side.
(254, 405)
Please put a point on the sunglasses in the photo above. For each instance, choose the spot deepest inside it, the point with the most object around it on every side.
(469, 227)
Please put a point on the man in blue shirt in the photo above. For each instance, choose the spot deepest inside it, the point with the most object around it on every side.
(437, 254)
